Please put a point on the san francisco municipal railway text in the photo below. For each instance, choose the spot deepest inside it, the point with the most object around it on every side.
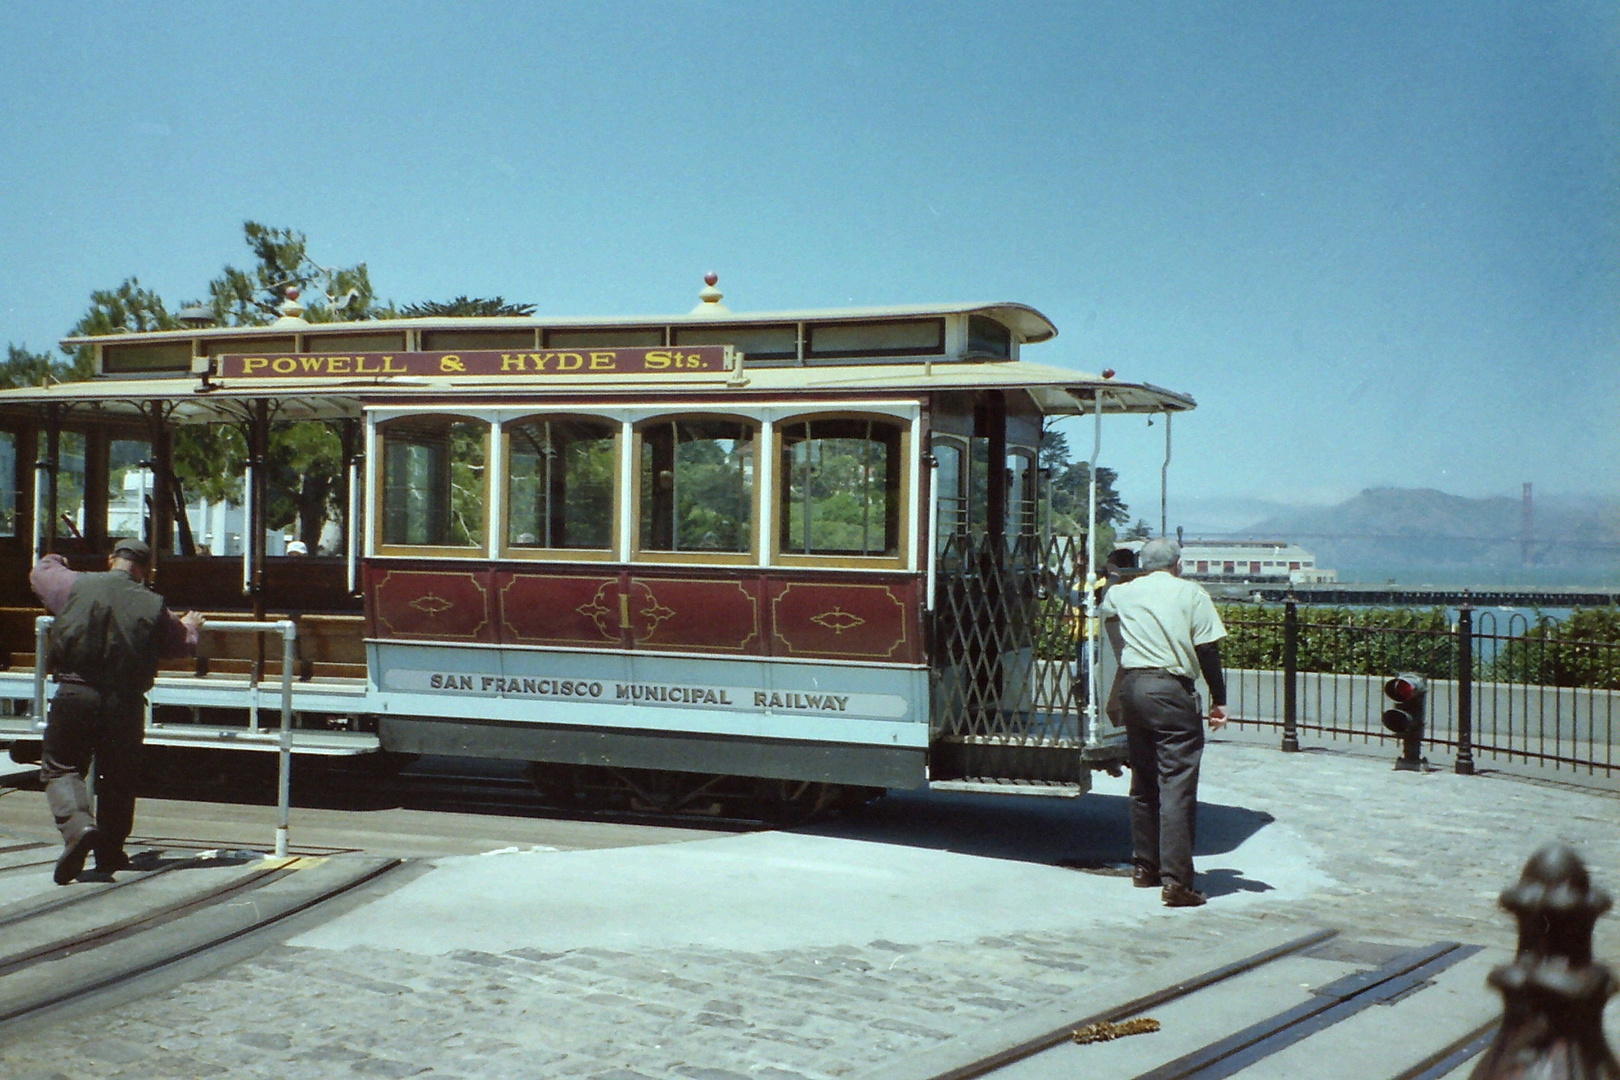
(663, 693)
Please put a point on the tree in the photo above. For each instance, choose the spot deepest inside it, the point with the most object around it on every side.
(24, 368)
(130, 308)
(1069, 488)
(254, 297)
(1140, 531)
(304, 458)
(464, 307)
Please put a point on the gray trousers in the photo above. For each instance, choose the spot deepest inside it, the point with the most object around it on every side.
(1165, 736)
(88, 724)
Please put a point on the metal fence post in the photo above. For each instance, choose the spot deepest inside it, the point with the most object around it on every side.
(1290, 739)
(1465, 689)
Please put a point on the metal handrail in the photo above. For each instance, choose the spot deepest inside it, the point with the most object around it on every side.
(289, 636)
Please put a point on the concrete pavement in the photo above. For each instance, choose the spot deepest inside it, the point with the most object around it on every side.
(832, 951)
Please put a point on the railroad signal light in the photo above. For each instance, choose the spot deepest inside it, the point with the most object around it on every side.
(1409, 693)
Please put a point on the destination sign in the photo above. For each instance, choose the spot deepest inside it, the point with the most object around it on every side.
(542, 363)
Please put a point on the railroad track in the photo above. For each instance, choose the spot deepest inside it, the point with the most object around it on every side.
(60, 946)
(1311, 1005)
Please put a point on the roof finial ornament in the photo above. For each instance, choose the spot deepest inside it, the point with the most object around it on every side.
(291, 310)
(709, 299)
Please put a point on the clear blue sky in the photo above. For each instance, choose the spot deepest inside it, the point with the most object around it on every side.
(1378, 242)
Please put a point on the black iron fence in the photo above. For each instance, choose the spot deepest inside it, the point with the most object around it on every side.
(1514, 688)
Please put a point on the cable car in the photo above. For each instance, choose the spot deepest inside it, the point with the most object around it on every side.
(798, 556)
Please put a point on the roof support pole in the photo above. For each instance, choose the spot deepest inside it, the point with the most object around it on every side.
(1164, 479)
(1093, 632)
(352, 454)
(53, 464)
(162, 508)
(259, 482)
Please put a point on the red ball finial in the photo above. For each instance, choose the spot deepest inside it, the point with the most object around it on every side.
(292, 292)
(1108, 373)
(711, 278)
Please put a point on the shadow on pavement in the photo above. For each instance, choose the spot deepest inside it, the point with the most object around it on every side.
(1092, 832)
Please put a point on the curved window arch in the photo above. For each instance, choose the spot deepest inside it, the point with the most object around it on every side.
(433, 481)
(561, 474)
(840, 486)
(696, 485)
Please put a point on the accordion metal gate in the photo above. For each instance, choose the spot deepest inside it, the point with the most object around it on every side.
(1010, 679)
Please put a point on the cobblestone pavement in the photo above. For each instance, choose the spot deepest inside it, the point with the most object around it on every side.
(1333, 839)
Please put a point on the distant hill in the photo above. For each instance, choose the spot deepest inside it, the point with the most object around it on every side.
(1399, 528)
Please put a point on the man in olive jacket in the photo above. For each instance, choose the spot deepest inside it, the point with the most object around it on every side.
(110, 633)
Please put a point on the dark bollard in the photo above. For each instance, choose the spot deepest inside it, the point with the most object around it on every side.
(1552, 994)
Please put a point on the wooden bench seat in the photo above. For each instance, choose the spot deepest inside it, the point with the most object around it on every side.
(327, 645)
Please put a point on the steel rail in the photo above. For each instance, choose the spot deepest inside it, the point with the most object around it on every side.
(134, 924)
(1182, 988)
(1327, 1006)
(79, 896)
(1446, 1060)
(99, 985)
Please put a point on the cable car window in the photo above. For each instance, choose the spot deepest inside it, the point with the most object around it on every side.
(987, 337)
(8, 483)
(632, 337)
(901, 337)
(70, 485)
(129, 487)
(978, 486)
(697, 485)
(1021, 489)
(475, 340)
(559, 483)
(433, 481)
(948, 493)
(840, 487)
(754, 342)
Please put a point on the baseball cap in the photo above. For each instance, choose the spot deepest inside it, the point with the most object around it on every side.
(134, 550)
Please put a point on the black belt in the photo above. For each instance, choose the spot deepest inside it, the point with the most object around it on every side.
(1180, 678)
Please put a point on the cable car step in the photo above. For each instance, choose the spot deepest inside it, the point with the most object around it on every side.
(990, 786)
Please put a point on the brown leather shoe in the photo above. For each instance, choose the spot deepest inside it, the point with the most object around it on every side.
(1142, 879)
(1175, 895)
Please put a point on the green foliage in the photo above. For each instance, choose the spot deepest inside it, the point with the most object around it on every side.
(1140, 531)
(843, 484)
(465, 307)
(1069, 491)
(1582, 650)
(253, 297)
(1342, 640)
(24, 368)
(130, 308)
(208, 461)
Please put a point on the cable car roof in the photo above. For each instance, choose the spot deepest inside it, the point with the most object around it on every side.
(1029, 324)
(190, 399)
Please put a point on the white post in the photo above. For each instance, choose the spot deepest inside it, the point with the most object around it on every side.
(247, 530)
(933, 527)
(627, 512)
(354, 528)
(42, 471)
(289, 635)
(1092, 734)
(42, 637)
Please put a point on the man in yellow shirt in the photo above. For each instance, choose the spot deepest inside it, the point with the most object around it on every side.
(1170, 633)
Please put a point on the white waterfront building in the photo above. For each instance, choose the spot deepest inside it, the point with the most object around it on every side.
(1251, 560)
